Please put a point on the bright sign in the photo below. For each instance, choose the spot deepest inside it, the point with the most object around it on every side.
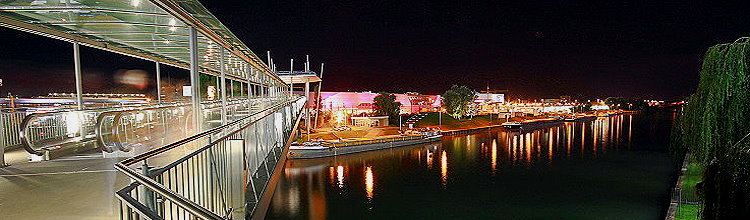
(186, 91)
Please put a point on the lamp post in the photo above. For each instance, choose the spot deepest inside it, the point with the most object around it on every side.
(399, 121)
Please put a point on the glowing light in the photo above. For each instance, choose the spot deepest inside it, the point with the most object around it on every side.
(340, 176)
(369, 182)
(135, 3)
(444, 168)
(172, 24)
(72, 123)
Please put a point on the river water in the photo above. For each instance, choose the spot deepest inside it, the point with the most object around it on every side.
(609, 168)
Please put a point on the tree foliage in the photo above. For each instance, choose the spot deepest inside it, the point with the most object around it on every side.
(714, 128)
(385, 104)
(457, 101)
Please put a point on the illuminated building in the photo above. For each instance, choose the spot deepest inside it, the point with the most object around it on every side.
(361, 102)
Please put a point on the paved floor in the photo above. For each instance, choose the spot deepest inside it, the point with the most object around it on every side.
(78, 187)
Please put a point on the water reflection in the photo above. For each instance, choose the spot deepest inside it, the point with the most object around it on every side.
(310, 185)
(340, 176)
(369, 183)
(494, 156)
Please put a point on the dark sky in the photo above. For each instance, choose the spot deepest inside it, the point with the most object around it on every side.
(534, 49)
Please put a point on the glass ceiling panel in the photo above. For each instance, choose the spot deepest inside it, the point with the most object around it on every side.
(138, 26)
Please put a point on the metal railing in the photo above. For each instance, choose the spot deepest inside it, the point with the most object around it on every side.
(216, 174)
(10, 125)
(42, 132)
(121, 129)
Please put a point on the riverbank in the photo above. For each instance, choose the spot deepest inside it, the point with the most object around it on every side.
(433, 120)
(685, 204)
(449, 125)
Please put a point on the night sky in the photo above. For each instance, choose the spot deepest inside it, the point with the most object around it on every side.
(534, 49)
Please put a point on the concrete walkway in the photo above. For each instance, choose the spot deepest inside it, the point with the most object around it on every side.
(76, 187)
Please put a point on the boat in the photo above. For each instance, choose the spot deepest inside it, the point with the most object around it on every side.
(580, 118)
(318, 149)
(530, 124)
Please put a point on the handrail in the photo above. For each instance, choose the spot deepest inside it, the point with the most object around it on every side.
(116, 120)
(26, 122)
(272, 109)
(26, 142)
(168, 194)
(141, 209)
(158, 188)
(100, 122)
(118, 115)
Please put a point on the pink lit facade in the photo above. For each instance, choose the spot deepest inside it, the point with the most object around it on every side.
(362, 101)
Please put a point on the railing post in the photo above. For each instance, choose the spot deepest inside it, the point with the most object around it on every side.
(307, 107)
(158, 82)
(145, 194)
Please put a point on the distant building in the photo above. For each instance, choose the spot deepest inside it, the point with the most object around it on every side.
(599, 107)
(490, 98)
(490, 103)
(372, 121)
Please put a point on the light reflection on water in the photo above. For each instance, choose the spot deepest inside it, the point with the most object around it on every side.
(310, 185)
(369, 183)
(444, 168)
(340, 176)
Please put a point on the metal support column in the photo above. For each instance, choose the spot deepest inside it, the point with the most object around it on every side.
(79, 78)
(195, 81)
(307, 107)
(223, 87)
(249, 86)
(158, 82)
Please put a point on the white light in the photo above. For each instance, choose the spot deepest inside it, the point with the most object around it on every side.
(172, 24)
(135, 2)
(73, 124)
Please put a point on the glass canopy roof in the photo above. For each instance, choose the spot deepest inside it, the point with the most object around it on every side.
(150, 29)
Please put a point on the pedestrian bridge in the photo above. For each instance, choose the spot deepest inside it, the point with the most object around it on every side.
(189, 159)
(219, 172)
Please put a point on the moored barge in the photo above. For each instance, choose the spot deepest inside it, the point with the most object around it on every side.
(530, 124)
(328, 149)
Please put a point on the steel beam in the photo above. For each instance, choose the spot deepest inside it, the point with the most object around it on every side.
(223, 86)
(195, 80)
(158, 82)
(78, 75)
